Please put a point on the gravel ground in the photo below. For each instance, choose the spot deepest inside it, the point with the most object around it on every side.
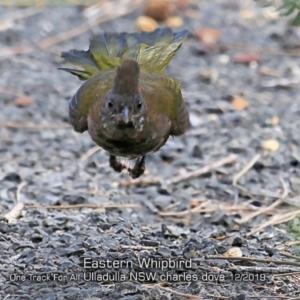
(198, 221)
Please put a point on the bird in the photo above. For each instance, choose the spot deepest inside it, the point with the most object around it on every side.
(126, 103)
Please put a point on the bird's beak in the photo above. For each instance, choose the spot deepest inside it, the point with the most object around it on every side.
(125, 114)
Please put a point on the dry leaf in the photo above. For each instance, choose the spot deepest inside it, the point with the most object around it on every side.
(209, 35)
(234, 252)
(270, 145)
(246, 58)
(24, 101)
(159, 10)
(174, 22)
(144, 23)
(239, 103)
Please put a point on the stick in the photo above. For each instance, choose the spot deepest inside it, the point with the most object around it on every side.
(273, 205)
(83, 206)
(13, 214)
(87, 25)
(90, 152)
(278, 219)
(73, 32)
(199, 210)
(191, 297)
(249, 165)
(149, 181)
(229, 159)
(33, 126)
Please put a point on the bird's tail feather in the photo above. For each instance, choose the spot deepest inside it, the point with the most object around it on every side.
(107, 51)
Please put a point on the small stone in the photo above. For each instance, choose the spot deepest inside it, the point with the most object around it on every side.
(145, 23)
(14, 177)
(234, 252)
(270, 145)
(174, 22)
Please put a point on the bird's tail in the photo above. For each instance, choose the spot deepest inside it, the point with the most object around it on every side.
(153, 51)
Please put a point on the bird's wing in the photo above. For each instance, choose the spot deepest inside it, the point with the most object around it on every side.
(163, 96)
(91, 90)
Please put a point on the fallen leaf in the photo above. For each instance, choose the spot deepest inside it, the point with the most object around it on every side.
(24, 101)
(145, 23)
(246, 58)
(234, 252)
(174, 22)
(270, 145)
(239, 103)
(209, 35)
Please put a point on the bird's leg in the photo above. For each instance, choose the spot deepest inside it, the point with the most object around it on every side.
(139, 167)
(115, 164)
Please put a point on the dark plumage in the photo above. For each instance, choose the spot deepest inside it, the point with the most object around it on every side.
(127, 104)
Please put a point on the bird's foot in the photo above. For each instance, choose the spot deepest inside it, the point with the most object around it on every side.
(116, 164)
(135, 172)
(139, 168)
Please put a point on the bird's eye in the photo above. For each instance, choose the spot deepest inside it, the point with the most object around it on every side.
(110, 104)
(139, 105)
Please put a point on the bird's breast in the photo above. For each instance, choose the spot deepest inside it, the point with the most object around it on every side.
(130, 142)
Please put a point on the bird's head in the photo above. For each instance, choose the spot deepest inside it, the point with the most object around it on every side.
(124, 107)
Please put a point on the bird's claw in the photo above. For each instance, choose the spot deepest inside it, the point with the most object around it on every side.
(135, 172)
(139, 168)
(115, 164)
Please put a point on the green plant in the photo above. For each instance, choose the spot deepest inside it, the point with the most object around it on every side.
(287, 8)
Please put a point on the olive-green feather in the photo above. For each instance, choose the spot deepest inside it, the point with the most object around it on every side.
(152, 50)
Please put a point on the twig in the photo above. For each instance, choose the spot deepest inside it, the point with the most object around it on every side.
(132, 5)
(286, 254)
(229, 159)
(141, 181)
(19, 189)
(287, 274)
(16, 50)
(268, 208)
(87, 25)
(13, 214)
(249, 165)
(136, 248)
(263, 270)
(191, 297)
(83, 206)
(278, 219)
(33, 126)
(90, 152)
(267, 261)
(21, 13)
(13, 93)
(289, 244)
(200, 210)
